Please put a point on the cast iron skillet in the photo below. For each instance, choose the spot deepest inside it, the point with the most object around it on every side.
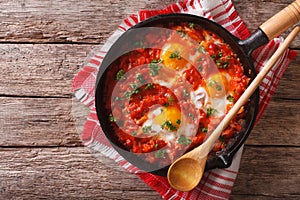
(243, 48)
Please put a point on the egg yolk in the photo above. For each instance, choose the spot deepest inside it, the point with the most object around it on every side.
(169, 118)
(217, 85)
(175, 56)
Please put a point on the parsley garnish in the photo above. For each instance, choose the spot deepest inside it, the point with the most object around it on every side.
(210, 112)
(112, 118)
(169, 126)
(186, 93)
(149, 86)
(181, 32)
(175, 54)
(191, 116)
(154, 69)
(134, 133)
(183, 140)
(191, 25)
(160, 153)
(140, 78)
(120, 75)
(204, 130)
(230, 98)
(178, 121)
(146, 129)
(171, 99)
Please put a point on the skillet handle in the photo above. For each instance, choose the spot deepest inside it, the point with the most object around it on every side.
(282, 20)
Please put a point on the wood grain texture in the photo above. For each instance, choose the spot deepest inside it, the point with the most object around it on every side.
(66, 21)
(88, 22)
(37, 122)
(42, 46)
(74, 173)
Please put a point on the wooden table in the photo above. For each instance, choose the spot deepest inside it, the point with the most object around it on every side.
(43, 45)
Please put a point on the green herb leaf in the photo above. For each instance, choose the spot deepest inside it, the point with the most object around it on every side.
(171, 99)
(149, 86)
(181, 32)
(186, 93)
(183, 140)
(178, 121)
(120, 75)
(140, 78)
(175, 54)
(160, 153)
(133, 86)
(112, 118)
(154, 69)
(211, 112)
(146, 129)
(191, 116)
(201, 49)
(191, 25)
(169, 126)
(230, 98)
(134, 133)
(204, 130)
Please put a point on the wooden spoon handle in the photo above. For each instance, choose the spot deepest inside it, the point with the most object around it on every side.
(282, 20)
(251, 88)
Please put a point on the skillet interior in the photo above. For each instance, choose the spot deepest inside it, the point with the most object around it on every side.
(222, 159)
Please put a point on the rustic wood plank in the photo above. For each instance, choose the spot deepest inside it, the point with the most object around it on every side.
(65, 173)
(66, 21)
(37, 122)
(279, 125)
(78, 174)
(269, 172)
(87, 22)
(40, 70)
(48, 70)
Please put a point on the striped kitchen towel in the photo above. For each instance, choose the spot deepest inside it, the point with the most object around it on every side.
(217, 183)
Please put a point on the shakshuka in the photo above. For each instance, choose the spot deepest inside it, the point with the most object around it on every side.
(166, 95)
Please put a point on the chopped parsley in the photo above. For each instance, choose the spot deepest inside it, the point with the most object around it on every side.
(120, 75)
(154, 69)
(230, 98)
(183, 140)
(181, 32)
(133, 86)
(134, 133)
(171, 99)
(169, 126)
(146, 129)
(166, 104)
(112, 118)
(191, 25)
(160, 153)
(178, 121)
(210, 112)
(201, 49)
(175, 54)
(191, 116)
(149, 86)
(186, 93)
(140, 78)
(204, 130)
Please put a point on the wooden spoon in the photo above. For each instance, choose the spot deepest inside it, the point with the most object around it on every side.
(186, 172)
